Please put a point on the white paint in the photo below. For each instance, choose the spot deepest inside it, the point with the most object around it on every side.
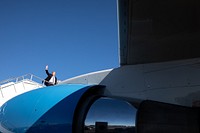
(11, 89)
(90, 78)
(176, 82)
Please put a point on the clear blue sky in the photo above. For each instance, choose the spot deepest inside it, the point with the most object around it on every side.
(72, 36)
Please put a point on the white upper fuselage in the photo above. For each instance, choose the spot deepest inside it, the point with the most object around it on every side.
(175, 82)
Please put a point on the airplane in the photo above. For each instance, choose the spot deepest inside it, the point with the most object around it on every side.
(158, 75)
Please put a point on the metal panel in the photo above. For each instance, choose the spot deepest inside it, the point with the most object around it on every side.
(157, 31)
(156, 117)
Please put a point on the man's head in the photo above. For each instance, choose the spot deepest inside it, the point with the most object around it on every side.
(54, 73)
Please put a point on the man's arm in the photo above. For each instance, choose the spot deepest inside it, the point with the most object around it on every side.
(46, 69)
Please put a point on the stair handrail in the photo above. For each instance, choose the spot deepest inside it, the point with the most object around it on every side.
(20, 78)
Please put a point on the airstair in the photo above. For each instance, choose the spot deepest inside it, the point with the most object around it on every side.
(15, 86)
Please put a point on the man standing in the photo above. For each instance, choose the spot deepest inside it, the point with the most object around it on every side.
(51, 78)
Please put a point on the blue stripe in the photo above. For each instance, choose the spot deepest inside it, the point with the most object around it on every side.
(47, 109)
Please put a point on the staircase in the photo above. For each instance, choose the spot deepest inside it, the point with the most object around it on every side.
(15, 86)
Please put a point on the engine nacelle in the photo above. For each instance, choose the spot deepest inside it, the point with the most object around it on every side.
(50, 109)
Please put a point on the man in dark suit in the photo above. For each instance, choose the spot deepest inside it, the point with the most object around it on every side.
(51, 78)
